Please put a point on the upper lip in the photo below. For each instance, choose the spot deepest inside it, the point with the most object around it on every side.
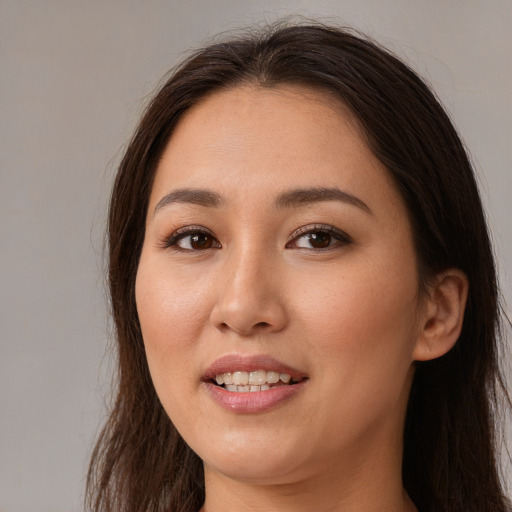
(238, 362)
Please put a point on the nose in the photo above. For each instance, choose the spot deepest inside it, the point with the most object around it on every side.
(250, 298)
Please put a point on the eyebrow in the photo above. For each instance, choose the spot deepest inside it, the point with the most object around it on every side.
(299, 197)
(197, 196)
(290, 199)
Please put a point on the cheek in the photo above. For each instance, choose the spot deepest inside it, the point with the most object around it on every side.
(357, 304)
(362, 334)
(363, 327)
(172, 312)
(168, 301)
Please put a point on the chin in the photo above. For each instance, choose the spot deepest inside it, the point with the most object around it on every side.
(261, 462)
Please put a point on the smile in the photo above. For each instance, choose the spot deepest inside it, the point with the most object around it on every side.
(250, 384)
(254, 381)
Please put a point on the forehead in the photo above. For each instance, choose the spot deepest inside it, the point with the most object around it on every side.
(267, 140)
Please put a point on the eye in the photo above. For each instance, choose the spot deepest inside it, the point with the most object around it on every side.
(318, 237)
(191, 238)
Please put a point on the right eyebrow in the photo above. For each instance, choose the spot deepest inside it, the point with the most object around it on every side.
(197, 196)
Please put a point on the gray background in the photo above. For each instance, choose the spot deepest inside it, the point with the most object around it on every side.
(74, 77)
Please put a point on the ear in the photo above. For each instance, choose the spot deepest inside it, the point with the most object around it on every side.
(442, 315)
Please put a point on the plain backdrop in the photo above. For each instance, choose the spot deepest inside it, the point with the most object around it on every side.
(74, 76)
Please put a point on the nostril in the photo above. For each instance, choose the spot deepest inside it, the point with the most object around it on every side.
(262, 324)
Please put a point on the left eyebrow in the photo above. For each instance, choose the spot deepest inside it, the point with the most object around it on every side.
(299, 197)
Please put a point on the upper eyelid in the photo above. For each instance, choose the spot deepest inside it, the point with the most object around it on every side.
(312, 228)
(189, 230)
(192, 228)
(184, 231)
(341, 237)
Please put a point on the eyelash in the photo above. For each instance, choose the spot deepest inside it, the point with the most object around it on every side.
(339, 236)
(188, 231)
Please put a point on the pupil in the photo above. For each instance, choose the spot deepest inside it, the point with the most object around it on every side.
(201, 241)
(320, 240)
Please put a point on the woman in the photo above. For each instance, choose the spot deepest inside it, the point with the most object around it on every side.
(303, 290)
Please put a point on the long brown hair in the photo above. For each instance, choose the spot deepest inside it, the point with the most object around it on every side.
(140, 462)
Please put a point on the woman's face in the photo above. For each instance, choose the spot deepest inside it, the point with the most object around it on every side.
(277, 248)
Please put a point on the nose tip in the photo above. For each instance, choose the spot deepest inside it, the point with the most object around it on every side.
(249, 303)
(247, 318)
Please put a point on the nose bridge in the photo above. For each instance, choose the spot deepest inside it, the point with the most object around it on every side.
(249, 294)
(245, 266)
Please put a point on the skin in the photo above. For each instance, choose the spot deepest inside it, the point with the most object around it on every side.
(350, 315)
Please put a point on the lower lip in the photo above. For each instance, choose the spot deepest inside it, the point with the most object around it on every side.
(253, 402)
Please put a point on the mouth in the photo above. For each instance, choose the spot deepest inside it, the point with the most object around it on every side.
(251, 374)
(241, 381)
(252, 384)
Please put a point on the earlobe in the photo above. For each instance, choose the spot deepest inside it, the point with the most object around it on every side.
(442, 316)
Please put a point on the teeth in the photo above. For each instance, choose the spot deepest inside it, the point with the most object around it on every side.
(240, 378)
(272, 377)
(247, 389)
(258, 380)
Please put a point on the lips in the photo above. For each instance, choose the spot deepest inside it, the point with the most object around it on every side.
(252, 384)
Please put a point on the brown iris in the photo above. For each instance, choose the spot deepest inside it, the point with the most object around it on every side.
(201, 241)
(319, 240)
